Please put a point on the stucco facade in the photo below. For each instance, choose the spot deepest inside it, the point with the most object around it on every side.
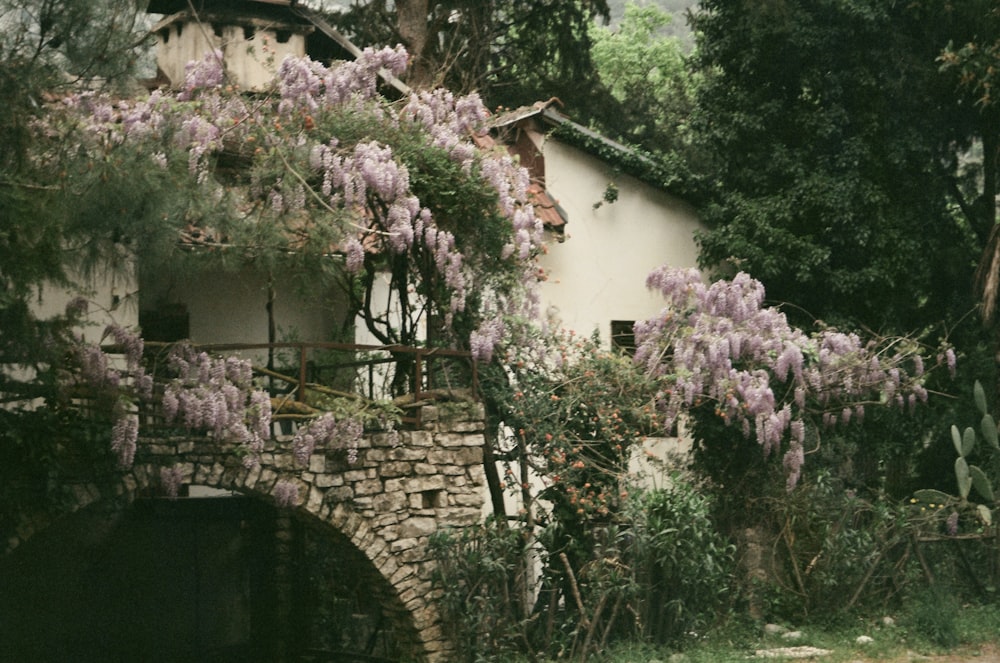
(598, 273)
(251, 51)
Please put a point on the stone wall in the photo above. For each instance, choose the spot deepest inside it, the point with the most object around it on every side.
(400, 490)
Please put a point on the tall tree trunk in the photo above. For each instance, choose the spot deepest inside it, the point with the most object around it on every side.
(988, 272)
(411, 23)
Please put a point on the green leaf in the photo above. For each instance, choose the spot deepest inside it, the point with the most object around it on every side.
(956, 439)
(931, 496)
(980, 395)
(985, 513)
(968, 441)
(981, 483)
(989, 429)
(963, 478)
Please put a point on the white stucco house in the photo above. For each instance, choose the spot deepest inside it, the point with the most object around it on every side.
(606, 230)
(254, 36)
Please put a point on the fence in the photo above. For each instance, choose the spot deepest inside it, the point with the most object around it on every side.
(301, 371)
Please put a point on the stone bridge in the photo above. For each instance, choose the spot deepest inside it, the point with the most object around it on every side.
(387, 504)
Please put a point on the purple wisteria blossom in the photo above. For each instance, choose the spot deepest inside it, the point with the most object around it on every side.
(951, 524)
(354, 254)
(124, 435)
(487, 337)
(286, 494)
(216, 395)
(130, 342)
(329, 432)
(171, 478)
(205, 74)
(719, 344)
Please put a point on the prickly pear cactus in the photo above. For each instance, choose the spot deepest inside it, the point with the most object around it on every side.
(968, 477)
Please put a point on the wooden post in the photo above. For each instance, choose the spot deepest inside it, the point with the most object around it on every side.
(301, 394)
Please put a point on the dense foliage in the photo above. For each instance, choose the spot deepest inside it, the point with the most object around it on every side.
(845, 179)
(718, 348)
(648, 73)
(291, 181)
(660, 572)
(513, 53)
(835, 162)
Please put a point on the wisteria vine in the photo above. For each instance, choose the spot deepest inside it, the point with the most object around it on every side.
(318, 184)
(719, 344)
(217, 395)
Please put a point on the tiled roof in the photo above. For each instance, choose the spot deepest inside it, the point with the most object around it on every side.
(547, 209)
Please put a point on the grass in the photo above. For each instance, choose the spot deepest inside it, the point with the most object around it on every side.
(974, 626)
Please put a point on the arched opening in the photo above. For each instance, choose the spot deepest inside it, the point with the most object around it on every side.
(214, 576)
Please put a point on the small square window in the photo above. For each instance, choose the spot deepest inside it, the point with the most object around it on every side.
(623, 336)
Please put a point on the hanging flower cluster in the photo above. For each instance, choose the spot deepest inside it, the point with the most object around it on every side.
(329, 432)
(216, 395)
(719, 344)
(116, 378)
(286, 494)
(323, 157)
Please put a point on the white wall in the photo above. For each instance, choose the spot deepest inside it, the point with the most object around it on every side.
(251, 63)
(111, 299)
(231, 307)
(599, 273)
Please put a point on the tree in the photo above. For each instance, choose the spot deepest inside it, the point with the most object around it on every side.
(512, 53)
(46, 48)
(829, 128)
(647, 73)
(970, 61)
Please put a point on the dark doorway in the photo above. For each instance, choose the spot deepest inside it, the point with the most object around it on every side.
(181, 580)
(218, 579)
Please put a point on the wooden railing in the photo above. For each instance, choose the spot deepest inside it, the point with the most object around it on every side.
(406, 375)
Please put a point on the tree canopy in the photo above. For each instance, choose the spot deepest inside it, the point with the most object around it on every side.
(512, 53)
(834, 155)
(647, 73)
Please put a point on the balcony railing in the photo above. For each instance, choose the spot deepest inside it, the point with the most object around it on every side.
(405, 375)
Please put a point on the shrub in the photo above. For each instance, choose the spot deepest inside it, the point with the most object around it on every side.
(684, 566)
(481, 578)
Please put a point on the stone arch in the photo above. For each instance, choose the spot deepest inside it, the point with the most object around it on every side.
(387, 504)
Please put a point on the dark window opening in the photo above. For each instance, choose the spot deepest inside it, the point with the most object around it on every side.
(282, 36)
(623, 336)
(430, 499)
(248, 32)
(166, 324)
(217, 30)
(165, 35)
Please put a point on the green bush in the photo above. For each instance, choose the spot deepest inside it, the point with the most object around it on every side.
(932, 615)
(825, 551)
(481, 578)
(660, 572)
(684, 566)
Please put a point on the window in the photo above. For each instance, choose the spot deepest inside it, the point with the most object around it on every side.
(623, 336)
(169, 323)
